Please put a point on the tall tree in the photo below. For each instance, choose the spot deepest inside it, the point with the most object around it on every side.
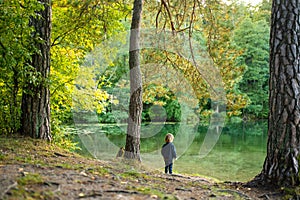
(281, 166)
(36, 97)
(15, 50)
(132, 148)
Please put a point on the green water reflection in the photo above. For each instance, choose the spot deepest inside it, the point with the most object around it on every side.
(238, 154)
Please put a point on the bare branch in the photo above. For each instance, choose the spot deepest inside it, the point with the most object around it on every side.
(169, 15)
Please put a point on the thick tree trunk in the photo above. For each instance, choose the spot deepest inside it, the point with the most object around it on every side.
(132, 148)
(281, 165)
(36, 96)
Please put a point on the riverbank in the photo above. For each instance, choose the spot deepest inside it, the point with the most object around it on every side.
(34, 169)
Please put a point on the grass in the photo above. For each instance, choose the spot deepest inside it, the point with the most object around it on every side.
(155, 193)
(29, 179)
(99, 170)
(131, 175)
(15, 150)
(30, 187)
(24, 193)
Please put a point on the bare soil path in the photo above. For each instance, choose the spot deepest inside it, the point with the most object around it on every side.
(33, 169)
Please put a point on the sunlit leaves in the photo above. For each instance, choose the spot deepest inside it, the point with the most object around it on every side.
(79, 26)
(83, 24)
(86, 96)
(154, 94)
(211, 24)
(16, 48)
(220, 20)
(235, 37)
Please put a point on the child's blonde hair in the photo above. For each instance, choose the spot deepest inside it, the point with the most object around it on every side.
(169, 137)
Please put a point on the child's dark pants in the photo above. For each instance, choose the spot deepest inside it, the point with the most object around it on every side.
(169, 168)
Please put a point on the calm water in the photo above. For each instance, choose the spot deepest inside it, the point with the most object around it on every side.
(235, 152)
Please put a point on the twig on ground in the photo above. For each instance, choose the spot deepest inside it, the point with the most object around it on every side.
(8, 188)
(121, 191)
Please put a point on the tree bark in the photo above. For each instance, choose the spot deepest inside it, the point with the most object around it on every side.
(281, 165)
(35, 106)
(132, 148)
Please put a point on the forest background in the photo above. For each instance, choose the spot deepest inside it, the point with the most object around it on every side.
(235, 35)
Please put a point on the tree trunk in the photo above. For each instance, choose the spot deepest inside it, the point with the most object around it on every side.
(36, 96)
(132, 148)
(281, 165)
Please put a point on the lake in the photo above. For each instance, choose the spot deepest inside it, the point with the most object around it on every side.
(235, 152)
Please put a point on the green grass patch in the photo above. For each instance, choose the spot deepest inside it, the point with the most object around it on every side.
(133, 175)
(152, 191)
(2, 156)
(23, 193)
(100, 170)
(30, 178)
(30, 187)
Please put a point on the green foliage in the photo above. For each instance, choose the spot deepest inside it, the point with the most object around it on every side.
(263, 12)
(156, 96)
(220, 20)
(63, 136)
(111, 75)
(212, 25)
(77, 28)
(252, 37)
(84, 70)
(108, 117)
(173, 111)
(15, 51)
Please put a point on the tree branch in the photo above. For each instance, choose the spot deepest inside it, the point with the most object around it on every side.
(169, 15)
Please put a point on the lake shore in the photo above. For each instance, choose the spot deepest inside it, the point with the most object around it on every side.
(34, 169)
(236, 153)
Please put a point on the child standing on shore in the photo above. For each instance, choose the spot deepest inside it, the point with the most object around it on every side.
(168, 152)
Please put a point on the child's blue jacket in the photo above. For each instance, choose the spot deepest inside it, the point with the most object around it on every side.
(168, 151)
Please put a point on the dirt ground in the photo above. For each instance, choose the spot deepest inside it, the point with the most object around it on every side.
(32, 169)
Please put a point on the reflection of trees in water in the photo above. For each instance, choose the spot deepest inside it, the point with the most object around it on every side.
(238, 154)
(153, 143)
(212, 136)
(244, 135)
(246, 128)
(237, 145)
(94, 139)
(101, 137)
